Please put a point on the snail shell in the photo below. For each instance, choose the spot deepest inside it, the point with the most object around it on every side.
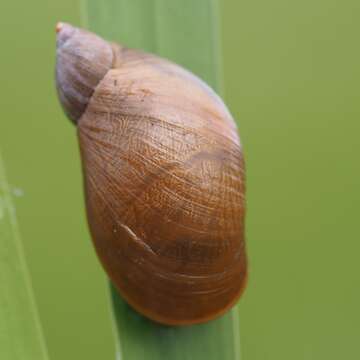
(164, 178)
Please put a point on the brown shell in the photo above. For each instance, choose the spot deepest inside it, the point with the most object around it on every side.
(164, 185)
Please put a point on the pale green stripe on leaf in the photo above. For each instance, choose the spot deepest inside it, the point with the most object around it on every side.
(20, 332)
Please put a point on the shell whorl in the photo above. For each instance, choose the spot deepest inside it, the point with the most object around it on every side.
(83, 59)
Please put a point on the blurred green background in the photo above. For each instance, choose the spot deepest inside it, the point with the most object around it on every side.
(292, 80)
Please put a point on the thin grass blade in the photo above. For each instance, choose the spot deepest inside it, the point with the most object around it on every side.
(20, 332)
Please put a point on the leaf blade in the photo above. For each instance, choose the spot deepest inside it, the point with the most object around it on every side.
(20, 330)
(186, 32)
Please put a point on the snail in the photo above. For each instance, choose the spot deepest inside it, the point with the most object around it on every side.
(163, 176)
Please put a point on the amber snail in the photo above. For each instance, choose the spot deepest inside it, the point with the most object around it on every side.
(163, 175)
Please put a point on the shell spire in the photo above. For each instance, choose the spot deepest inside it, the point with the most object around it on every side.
(82, 61)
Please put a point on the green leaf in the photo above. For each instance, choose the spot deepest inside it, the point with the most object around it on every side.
(186, 32)
(140, 338)
(20, 332)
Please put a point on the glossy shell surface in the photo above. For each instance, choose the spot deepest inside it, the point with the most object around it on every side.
(165, 186)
